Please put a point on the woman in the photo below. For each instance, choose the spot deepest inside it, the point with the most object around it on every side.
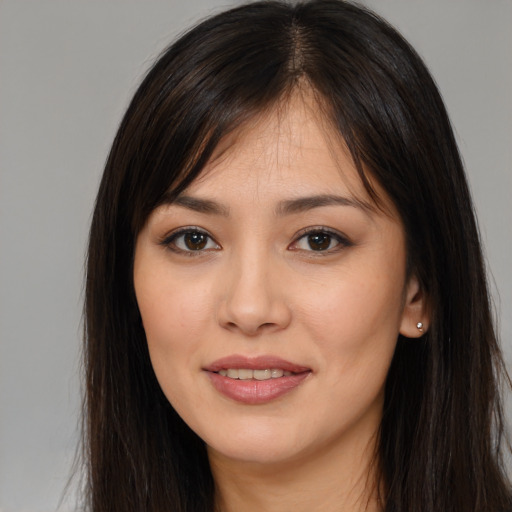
(286, 304)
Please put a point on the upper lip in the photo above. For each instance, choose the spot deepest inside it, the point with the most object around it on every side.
(255, 363)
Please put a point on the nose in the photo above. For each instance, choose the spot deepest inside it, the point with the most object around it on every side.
(254, 297)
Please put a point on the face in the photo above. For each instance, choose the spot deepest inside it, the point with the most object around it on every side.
(272, 294)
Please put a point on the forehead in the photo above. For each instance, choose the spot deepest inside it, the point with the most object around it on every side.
(293, 150)
(289, 148)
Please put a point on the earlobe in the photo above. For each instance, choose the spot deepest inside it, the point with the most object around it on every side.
(415, 316)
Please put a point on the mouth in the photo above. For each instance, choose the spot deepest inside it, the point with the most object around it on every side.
(257, 380)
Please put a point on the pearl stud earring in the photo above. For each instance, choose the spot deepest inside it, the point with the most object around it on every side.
(419, 325)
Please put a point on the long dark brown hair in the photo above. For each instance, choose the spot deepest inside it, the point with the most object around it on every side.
(442, 426)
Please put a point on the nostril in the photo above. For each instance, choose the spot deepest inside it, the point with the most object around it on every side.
(251, 313)
(251, 330)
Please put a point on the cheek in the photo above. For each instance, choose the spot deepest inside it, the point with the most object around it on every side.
(355, 327)
(174, 314)
(169, 302)
(355, 323)
(353, 308)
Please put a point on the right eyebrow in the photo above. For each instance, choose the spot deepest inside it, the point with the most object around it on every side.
(198, 205)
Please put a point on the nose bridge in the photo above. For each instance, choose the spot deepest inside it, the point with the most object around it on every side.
(253, 298)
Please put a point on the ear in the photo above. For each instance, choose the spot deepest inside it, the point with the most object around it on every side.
(415, 315)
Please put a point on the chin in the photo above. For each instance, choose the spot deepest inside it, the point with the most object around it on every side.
(257, 444)
(256, 453)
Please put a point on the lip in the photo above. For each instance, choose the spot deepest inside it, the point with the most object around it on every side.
(254, 392)
(255, 363)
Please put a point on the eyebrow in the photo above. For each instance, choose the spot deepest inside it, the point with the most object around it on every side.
(286, 207)
(199, 205)
(303, 204)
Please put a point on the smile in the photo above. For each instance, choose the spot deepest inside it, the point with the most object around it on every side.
(255, 380)
(248, 374)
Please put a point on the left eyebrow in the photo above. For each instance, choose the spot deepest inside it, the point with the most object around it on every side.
(303, 204)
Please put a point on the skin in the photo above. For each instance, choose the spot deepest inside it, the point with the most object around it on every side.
(258, 288)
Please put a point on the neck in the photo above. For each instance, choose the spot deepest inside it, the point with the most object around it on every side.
(331, 479)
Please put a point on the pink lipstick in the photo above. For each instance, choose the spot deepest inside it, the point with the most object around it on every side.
(255, 380)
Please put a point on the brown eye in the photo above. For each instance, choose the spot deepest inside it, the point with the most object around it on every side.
(190, 241)
(319, 241)
(195, 241)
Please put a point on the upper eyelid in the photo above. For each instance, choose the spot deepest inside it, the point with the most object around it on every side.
(320, 229)
(300, 233)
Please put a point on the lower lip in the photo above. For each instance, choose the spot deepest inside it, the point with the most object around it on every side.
(253, 391)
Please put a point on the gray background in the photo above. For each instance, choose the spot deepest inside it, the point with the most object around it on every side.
(67, 71)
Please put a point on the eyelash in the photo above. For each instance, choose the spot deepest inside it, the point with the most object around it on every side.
(169, 241)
